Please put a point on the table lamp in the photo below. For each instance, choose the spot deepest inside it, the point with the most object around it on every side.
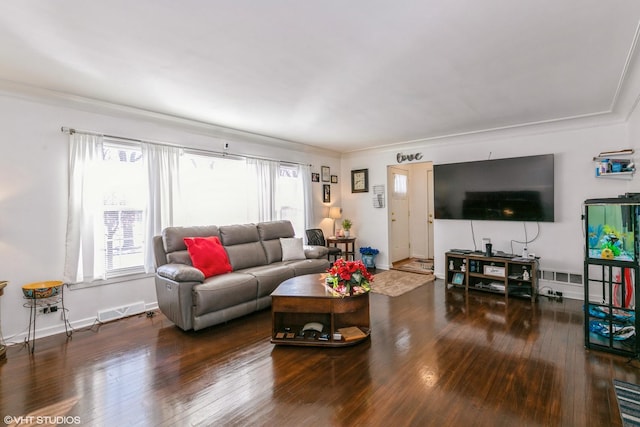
(335, 212)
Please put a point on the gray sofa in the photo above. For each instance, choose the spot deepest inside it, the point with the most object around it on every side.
(192, 301)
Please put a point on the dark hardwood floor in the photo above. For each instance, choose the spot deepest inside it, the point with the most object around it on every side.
(435, 357)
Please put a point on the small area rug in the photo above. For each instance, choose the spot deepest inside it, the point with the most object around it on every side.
(628, 397)
(415, 265)
(394, 283)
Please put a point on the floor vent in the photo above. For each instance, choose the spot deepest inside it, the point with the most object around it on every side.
(561, 277)
(120, 312)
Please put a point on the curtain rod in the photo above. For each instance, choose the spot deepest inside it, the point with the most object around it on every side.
(65, 129)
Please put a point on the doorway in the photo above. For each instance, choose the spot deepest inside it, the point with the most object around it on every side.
(411, 212)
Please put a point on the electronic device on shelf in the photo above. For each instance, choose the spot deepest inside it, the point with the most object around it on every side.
(501, 254)
(460, 251)
(313, 326)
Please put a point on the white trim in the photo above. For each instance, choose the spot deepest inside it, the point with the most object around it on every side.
(118, 279)
(77, 325)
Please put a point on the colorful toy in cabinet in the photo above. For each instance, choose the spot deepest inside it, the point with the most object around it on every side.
(611, 229)
(612, 243)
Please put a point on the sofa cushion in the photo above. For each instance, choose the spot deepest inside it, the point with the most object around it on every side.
(239, 233)
(246, 255)
(243, 246)
(271, 230)
(315, 251)
(270, 234)
(270, 276)
(173, 237)
(179, 257)
(292, 249)
(308, 266)
(208, 255)
(224, 291)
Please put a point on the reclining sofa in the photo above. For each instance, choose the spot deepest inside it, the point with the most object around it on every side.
(255, 253)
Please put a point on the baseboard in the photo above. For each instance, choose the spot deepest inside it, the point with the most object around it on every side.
(76, 325)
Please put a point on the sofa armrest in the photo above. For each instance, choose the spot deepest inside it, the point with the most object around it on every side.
(180, 273)
(315, 252)
(175, 300)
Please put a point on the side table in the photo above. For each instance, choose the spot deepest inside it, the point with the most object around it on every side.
(3, 346)
(42, 294)
(349, 245)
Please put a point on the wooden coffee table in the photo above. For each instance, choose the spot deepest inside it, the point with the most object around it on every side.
(306, 299)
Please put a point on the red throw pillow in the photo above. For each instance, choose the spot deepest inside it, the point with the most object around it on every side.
(208, 255)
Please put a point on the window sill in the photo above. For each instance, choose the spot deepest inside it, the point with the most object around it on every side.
(110, 281)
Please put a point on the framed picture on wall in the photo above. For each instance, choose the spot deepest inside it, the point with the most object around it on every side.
(326, 193)
(360, 181)
(326, 173)
(334, 179)
(315, 177)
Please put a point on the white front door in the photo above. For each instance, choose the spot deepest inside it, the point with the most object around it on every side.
(398, 184)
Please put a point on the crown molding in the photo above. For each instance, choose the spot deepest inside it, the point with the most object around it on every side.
(526, 129)
(55, 98)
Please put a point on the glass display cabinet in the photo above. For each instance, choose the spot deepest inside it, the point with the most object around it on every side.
(611, 274)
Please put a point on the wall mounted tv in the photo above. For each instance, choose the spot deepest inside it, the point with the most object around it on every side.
(514, 189)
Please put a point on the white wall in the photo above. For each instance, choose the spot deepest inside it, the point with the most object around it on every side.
(34, 192)
(560, 244)
(33, 196)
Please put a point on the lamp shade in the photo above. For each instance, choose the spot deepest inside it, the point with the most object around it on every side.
(335, 212)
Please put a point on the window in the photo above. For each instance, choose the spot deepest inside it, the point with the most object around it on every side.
(399, 186)
(108, 198)
(289, 197)
(123, 194)
(227, 190)
(124, 201)
(213, 190)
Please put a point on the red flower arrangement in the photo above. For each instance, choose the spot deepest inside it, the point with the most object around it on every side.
(349, 278)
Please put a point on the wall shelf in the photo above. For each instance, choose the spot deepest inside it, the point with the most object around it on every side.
(615, 164)
(616, 175)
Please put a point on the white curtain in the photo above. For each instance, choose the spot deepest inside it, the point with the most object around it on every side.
(163, 166)
(265, 173)
(309, 220)
(270, 196)
(84, 250)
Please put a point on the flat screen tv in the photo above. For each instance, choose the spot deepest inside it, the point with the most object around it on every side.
(513, 189)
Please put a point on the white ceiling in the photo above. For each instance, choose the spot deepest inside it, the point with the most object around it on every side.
(342, 75)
